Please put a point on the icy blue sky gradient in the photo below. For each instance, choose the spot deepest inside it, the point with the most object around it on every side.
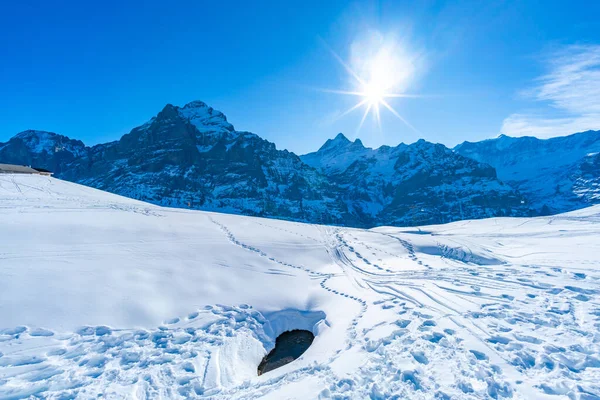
(94, 70)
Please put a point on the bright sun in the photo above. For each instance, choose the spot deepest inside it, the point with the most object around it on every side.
(380, 72)
(373, 93)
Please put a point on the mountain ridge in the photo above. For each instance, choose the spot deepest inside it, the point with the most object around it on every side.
(556, 174)
(193, 157)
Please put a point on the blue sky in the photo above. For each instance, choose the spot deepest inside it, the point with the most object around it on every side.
(95, 70)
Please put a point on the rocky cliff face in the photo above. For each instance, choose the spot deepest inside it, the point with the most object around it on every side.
(586, 179)
(193, 157)
(556, 175)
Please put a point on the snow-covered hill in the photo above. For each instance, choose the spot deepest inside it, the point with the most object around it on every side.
(104, 296)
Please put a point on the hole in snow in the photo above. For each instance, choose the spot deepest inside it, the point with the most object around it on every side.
(289, 346)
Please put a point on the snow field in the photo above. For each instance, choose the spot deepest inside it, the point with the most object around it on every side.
(103, 295)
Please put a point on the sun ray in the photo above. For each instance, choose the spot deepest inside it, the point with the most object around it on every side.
(352, 109)
(405, 95)
(343, 63)
(364, 117)
(378, 78)
(342, 92)
(386, 105)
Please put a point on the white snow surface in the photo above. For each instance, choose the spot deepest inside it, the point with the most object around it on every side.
(103, 296)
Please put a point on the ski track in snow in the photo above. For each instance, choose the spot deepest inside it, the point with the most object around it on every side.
(501, 308)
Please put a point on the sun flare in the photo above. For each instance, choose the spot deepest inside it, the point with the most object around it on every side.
(379, 71)
(373, 93)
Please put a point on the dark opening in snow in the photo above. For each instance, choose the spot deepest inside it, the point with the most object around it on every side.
(289, 346)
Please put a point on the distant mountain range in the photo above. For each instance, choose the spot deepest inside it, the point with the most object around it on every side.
(413, 184)
(555, 175)
(193, 157)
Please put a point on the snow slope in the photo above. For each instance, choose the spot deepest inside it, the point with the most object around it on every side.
(103, 296)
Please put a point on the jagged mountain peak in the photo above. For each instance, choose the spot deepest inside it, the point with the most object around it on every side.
(38, 141)
(420, 144)
(34, 132)
(198, 113)
(340, 140)
(336, 154)
(425, 146)
(199, 107)
(35, 135)
(201, 115)
(358, 143)
(196, 104)
(194, 122)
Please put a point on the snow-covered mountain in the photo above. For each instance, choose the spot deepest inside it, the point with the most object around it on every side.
(556, 175)
(337, 154)
(412, 184)
(102, 296)
(192, 157)
(42, 149)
